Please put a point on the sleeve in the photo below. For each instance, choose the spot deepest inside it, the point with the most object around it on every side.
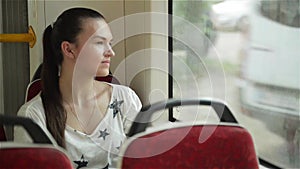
(20, 134)
(132, 107)
(34, 113)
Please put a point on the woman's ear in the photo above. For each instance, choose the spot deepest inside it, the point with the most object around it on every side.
(67, 49)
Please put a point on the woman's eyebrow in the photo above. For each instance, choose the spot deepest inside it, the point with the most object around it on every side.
(101, 37)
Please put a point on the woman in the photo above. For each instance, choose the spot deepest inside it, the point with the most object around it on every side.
(84, 116)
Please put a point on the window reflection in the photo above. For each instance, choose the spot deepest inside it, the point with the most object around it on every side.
(249, 58)
(284, 11)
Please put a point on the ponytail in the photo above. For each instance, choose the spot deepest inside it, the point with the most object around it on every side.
(51, 96)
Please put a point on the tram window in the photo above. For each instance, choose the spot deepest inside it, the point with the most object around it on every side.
(284, 12)
(255, 70)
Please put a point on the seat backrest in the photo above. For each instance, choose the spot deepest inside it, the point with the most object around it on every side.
(228, 146)
(35, 86)
(2, 133)
(188, 144)
(109, 79)
(33, 89)
(39, 154)
(15, 156)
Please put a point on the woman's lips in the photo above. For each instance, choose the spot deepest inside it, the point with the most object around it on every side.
(106, 62)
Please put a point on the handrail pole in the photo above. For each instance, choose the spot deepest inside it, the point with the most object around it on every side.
(22, 37)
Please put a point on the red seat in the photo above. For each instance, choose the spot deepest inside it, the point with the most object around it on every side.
(2, 134)
(35, 86)
(14, 156)
(33, 89)
(109, 79)
(188, 145)
(228, 146)
(39, 154)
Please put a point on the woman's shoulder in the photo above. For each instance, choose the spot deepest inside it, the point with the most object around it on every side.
(120, 87)
(127, 95)
(34, 107)
(122, 90)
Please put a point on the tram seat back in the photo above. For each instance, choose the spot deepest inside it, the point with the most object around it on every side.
(223, 144)
(39, 154)
(35, 86)
(191, 146)
(33, 89)
(32, 156)
(109, 79)
(2, 134)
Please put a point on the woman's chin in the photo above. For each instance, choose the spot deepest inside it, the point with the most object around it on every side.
(102, 73)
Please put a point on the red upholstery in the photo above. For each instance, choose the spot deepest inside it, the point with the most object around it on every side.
(33, 157)
(35, 87)
(2, 134)
(108, 78)
(227, 147)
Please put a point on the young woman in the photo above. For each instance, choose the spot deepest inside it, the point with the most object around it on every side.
(86, 117)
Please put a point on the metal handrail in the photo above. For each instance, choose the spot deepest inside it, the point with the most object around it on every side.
(143, 118)
(34, 130)
(29, 37)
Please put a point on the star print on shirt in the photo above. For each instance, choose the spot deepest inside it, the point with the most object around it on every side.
(116, 106)
(103, 134)
(119, 146)
(106, 167)
(81, 163)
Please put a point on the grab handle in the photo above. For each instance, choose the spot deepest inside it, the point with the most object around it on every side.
(142, 119)
(29, 37)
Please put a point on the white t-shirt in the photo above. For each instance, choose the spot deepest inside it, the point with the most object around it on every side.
(98, 149)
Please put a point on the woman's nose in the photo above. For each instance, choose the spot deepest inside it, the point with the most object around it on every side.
(109, 52)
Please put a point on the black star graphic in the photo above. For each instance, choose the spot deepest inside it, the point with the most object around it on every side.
(103, 134)
(106, 167)
(116, 106)
(119, 146)
(81, 162)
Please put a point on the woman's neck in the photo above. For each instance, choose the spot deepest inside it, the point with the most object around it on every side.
(81, 97)
(75, 90)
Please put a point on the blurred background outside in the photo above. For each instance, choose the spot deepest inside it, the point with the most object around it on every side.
(245, 52)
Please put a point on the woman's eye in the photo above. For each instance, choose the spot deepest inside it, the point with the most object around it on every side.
(100, 43)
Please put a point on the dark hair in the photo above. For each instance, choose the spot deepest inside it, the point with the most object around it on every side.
(66, 28)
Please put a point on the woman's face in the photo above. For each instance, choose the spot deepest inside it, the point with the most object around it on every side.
(93, 48)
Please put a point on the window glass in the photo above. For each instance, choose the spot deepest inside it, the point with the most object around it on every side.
(246, 53)
(286, 12)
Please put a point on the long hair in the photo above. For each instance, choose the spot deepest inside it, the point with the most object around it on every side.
(66, 28)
